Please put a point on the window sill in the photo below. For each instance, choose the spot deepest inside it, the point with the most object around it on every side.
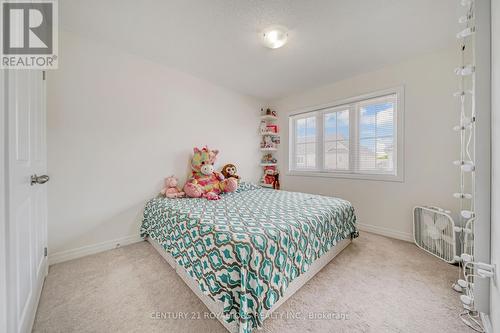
(361, 176)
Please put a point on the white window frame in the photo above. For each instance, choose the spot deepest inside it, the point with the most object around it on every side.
(398, 176)
(293, 160)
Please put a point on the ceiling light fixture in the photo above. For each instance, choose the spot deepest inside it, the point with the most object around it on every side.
(275, 37)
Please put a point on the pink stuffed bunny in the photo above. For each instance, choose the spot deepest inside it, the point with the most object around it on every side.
(171, 190)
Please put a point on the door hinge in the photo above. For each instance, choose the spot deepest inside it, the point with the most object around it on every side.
(43, 75)
(45, 251)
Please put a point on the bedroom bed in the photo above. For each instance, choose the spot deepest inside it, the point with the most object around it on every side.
(245, 254)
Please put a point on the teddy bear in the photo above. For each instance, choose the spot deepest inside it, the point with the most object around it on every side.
(204, 182)
(229, 171)
(171, 190)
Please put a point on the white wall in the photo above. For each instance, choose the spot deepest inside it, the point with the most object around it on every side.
(482, 226)
(495, 203)
(430, 143)
(117, 125)
(3, 213)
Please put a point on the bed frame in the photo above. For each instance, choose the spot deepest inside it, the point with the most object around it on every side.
(217, 307)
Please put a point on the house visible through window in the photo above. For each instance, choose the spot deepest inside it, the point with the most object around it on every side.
(305, 147)
(336, 139)
(359, 138)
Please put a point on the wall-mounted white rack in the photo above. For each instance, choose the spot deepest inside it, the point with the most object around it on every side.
(268, 117)
(466, 194)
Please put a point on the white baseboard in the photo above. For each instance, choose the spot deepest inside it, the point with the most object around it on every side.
(112, 244)
(92, 249)
(386, 232)
(486, 322)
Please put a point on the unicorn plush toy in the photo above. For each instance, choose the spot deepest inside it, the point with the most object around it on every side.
(204, 181)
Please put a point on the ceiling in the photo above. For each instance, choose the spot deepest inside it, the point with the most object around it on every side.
(218, 40)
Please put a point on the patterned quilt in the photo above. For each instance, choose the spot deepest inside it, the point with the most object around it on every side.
(245, 249)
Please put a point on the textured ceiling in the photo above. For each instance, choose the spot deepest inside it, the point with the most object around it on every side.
(218, 40)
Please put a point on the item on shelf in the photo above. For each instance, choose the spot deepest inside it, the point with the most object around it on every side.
(229, 171)
(268, 159)
(263, 127)
(269, 175)
(269, 112)
(171, 190)
(275, 139)
(271, 128)
(267, 142)
(274, 113)
(276, 183)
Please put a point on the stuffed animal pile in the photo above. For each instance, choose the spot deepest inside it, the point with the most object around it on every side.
(204, 181)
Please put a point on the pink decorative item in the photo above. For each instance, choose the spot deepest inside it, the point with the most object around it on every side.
(204, 181)
(272, 128)
(269, 175)
(171, 190)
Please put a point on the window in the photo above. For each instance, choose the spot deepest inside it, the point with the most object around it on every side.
(357, 138)
(305, 145)
(336, 139)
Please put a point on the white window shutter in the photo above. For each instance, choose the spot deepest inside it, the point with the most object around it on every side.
(359, 137)
(377, 135)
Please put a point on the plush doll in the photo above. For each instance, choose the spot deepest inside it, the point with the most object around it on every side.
(229, 171)
(269, 175)
(171, 190)
(204, 182)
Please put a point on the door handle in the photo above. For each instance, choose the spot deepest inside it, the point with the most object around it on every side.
(39, 179)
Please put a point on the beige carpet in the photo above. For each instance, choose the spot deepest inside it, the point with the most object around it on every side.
(375, 285)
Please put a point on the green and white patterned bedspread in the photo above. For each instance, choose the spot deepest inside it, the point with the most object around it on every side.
(245, 249)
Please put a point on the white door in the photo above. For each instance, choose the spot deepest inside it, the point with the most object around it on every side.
(27, 199)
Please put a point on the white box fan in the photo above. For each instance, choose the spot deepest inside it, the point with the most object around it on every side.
(434, 232)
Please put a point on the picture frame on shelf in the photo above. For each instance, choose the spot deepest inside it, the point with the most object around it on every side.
(272, 128)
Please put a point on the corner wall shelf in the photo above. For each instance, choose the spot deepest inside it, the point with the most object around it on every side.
(270, 139)
(268, 117)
